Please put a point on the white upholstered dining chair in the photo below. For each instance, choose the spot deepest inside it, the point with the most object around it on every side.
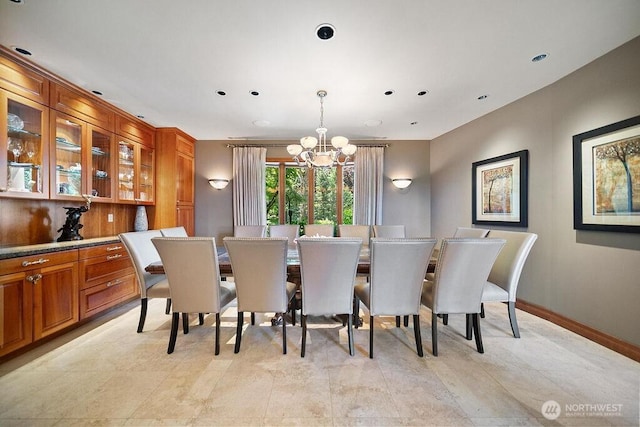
(142, 253)
(504, 277)
(260, 271)
(191, 265)
(389, 231)
(250, 231)
(461, 272)
(290, 231)
(396, 276)
(361, 231)
(318, 230)
(179, 231)
(470, 233)
(328, 271)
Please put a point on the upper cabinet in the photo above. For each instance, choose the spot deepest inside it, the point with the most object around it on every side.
(23, 81)
(24, 128)
(175, 203)
(136, 172)
(79, 105)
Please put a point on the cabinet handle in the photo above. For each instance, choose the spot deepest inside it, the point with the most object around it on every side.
(114, 248)
(33, 279)
(28, 263)
(110, 257)
(114, 283)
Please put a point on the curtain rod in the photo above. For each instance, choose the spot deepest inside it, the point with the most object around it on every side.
(285, 145)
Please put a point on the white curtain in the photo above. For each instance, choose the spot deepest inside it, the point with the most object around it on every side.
(368, 180)
(249, 168)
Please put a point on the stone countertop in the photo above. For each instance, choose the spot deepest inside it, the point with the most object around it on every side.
(18, 251)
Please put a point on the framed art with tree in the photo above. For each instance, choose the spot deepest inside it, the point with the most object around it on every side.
(499, 190)
(606, 178)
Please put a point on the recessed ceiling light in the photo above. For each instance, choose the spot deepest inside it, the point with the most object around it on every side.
(221, 92)
(423, 92)
(261, 123)
(16, 1)
(254, 93)
(373, 123)
(539, 58)
(21, 50)
(413, 123)
(97, 92)
(389, 92)
(140, 116)
(325, 31)
(481, 97)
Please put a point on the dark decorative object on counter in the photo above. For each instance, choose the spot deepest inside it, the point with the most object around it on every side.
(72, 224)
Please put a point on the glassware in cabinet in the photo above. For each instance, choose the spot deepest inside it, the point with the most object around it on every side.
(67, 157)
(146, 181)
(24, 123)
(126, 171)
(101, 161)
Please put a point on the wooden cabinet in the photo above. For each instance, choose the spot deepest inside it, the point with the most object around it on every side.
(39, 297)
(136, 173)
(24, 153)
(175, 194)
(82, 106)
(23, 81)
(106, 278)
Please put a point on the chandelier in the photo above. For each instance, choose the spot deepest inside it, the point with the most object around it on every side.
(315, 152)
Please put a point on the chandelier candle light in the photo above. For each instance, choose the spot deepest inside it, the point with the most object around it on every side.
(314, 151)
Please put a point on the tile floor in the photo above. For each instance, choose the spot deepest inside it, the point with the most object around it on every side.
(106, 374)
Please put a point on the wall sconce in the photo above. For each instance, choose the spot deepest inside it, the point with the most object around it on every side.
(401, 182)
(218, 183)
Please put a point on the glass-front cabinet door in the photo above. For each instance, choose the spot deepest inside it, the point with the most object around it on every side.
(24, 156)
(66, 174)
(102, 167)
(126, 171)
(146, 187)
(136, 165)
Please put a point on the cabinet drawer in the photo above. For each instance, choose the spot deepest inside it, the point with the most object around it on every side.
(105, 295)
(14, 265)
(104, 268)
(102, 250)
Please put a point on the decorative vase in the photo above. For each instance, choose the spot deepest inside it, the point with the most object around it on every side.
(141, 223)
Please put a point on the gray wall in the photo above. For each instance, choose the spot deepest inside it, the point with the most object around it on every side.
(403, 159)
(590, 277)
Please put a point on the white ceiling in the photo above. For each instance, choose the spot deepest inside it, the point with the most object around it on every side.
(165, 59)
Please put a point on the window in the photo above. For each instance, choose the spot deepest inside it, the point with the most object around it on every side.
(299, 195)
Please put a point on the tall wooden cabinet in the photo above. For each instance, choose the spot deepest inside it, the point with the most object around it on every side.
(175, 199)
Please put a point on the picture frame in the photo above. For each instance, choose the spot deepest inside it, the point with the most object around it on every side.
(499, 193)
(606, 168)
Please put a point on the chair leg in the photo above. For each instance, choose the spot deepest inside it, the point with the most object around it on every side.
(406, 321)
(434, 333)
(445, 319)
(167, 309)
(476, 330)
(253, 318)
(239, 331)
(174, 332)
(185, 323)
(468, 327)
(512, 318)
(416, 329)
(356, 310)
(284, 335)
(370, 337)
(201, 318)
(482, 310)
(217, 344)
(350, 333)
(397, 321)
(292, 304)
(303, 320)
(143, 313)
